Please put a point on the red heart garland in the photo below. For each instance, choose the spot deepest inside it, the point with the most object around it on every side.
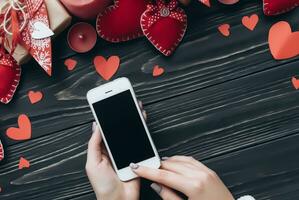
(1, 151)
(276, 7)
(10, 73)
(164, 25)
(120, 22)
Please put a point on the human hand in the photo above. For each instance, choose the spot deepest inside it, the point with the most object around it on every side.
(101, 174)
(187, 175)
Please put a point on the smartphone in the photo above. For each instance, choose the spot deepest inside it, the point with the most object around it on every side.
(124, 131)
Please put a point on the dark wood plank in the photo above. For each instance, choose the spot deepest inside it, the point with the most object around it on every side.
(268, 171)
(204, 59)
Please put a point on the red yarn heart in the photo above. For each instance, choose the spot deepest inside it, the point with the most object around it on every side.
(276, 7)
(164, 25)
(10, 73)
(121, 21)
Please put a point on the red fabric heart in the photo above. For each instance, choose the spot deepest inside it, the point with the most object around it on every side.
(121, 21)
(276, 7)
(164, 25)
(10, 73)
(1, 151)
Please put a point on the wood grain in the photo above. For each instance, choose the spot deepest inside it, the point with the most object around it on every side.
(204, 59)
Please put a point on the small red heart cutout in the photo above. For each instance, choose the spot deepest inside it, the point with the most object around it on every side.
(70, 64)
(250, 22)
(283, 43)
(24, 130)
(276, 7)
(295, 83)
(121, 21)
(35, 97)
(224, 29)
(166, 18)
(157, 71)
(23, 163)
(106, 68)
(206, 2)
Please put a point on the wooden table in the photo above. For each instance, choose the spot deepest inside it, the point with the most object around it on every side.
(225, 101)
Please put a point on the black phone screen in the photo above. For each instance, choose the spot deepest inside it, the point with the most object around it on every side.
(123, 129)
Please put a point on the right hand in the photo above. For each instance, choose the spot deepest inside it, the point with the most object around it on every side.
(186, 175)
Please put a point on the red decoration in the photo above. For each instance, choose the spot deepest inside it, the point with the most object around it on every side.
(276, 7)
(164, 25)
(121, 21)
(1, 151)
(106, 68)
(10, 73)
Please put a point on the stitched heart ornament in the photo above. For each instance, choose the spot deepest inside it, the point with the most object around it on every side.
(164, 25)
(1, 151)
(276, 7)
(121, 21)
(10, 73)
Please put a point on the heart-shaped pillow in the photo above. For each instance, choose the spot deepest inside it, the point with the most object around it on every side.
(121, 21)
(10, 73)
(164, 25)
(276, 7)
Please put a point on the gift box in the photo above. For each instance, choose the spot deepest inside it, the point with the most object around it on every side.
(59, 19)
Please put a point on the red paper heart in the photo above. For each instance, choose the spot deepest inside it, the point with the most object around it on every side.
(157, 71)
(10, 74)
(283, 43)
(23, 163)
(70, 64)
(295, 83)
(250, 22)
(206, 2)
(35, 97)
(276, 7)
(224, 29)
(121, 21)
(1, 151)
(106, 68)
(164, 25)
(24, 130)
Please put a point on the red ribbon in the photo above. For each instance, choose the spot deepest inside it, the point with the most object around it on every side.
(162, 9)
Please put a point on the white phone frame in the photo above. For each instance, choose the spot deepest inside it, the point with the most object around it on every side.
(108, 90)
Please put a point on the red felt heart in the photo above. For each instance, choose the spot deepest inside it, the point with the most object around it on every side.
(283, 43)
(1, 151)
(121, 21)
(10, 73)
(276, 7)
(106, 68)
(164, 25)
(24, 130)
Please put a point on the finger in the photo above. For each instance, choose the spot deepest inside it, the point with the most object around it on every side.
(94, 146)
(144, 114)
(162, 176)
(190, 160)
(178, 167)
(164, 192)
(140, 104)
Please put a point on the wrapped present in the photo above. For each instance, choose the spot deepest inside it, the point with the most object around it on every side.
(43, 18)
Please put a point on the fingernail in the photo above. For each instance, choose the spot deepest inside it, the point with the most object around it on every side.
(165, 158)
(134, 166)
(156, 187)
(94, 126)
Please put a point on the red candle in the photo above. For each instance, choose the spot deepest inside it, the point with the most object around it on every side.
(82, 37)
(86, 9)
